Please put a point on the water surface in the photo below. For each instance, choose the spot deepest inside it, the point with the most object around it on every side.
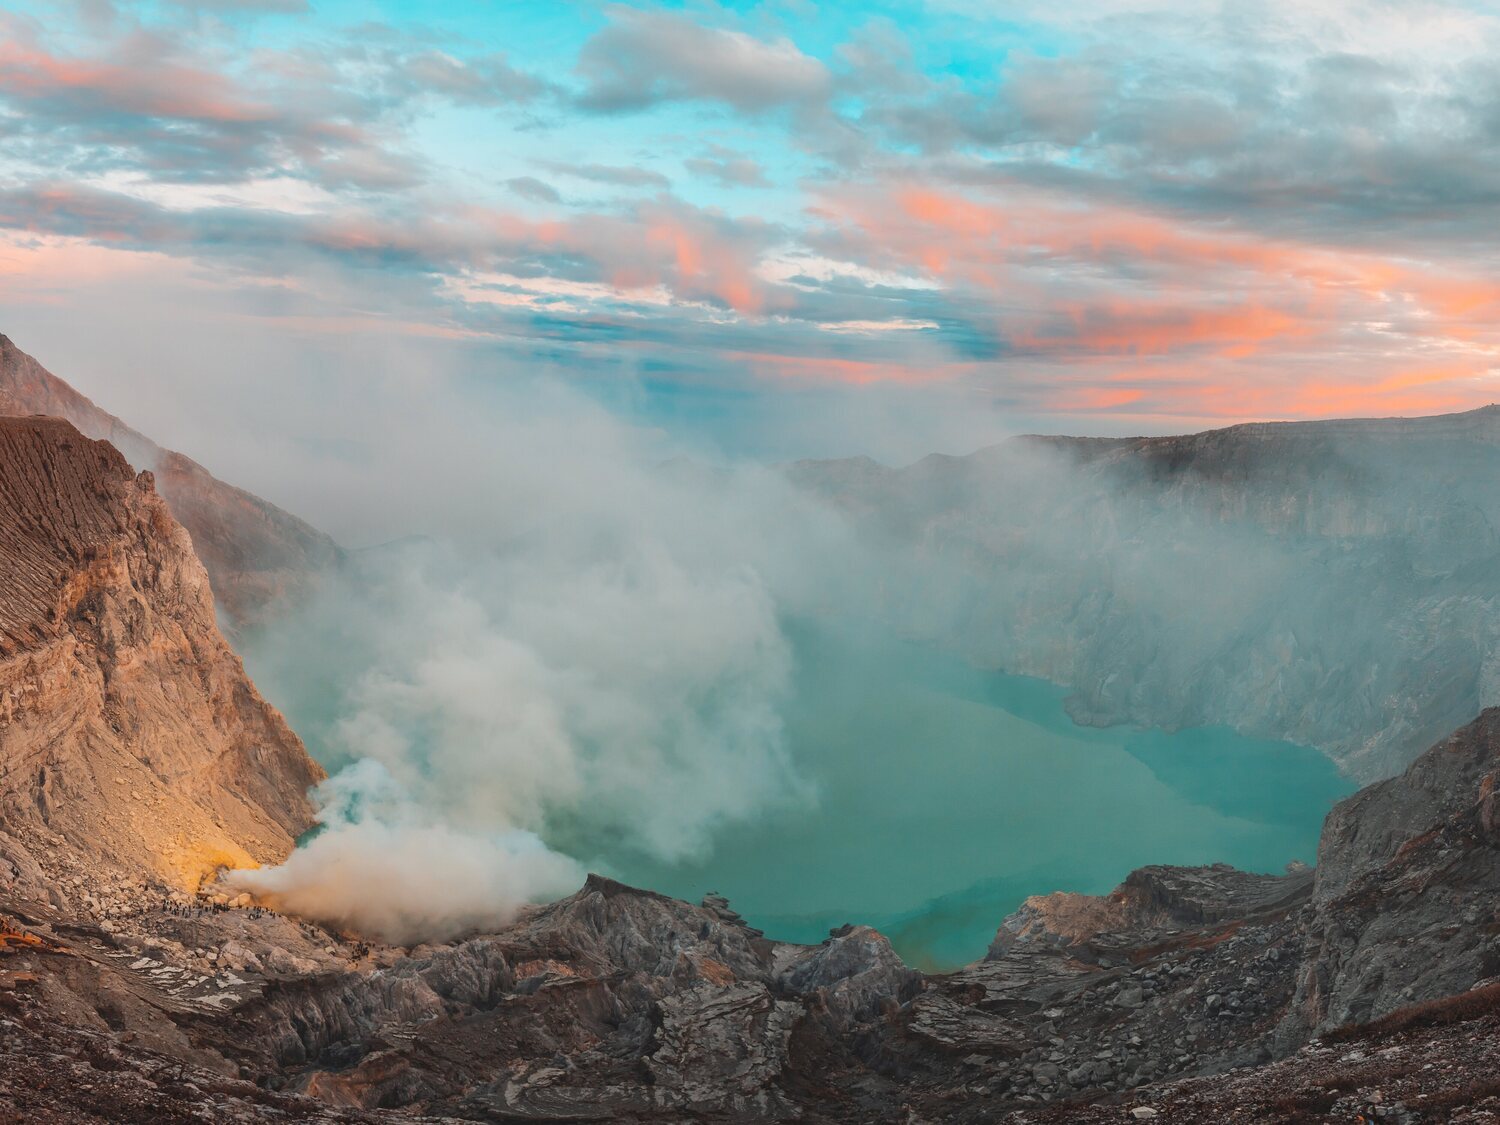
(947, 794)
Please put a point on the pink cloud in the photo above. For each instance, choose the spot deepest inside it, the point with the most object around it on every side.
(142, 83)
(849, 372)
(1198, 317)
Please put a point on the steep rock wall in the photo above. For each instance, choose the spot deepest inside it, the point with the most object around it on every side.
(128, 729)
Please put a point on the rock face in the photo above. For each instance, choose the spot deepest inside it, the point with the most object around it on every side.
(1435, 1063)
(1327, 583)
(257, 555)
(1150, 898)
(1207, 968)
(1407, 900)
(613, 1004)
(129, 733)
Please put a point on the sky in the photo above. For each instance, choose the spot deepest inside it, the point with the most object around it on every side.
(779, 229)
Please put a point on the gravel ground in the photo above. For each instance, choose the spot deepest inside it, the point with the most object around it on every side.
(1436, 1062)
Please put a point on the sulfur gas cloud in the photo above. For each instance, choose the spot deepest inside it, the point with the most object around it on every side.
(574, 634)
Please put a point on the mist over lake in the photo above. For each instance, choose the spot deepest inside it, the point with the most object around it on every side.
(934, 796)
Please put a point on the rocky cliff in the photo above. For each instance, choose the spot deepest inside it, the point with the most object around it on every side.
(1327, 583)
(131, 740)
(257, 555)
(1407, 900)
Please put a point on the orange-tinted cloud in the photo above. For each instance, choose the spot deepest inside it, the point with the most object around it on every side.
(149, 87)
(1200, 318)
(1123, 327)
(849, 372)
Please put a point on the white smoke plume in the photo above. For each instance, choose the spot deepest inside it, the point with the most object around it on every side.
(412, 883)
(377, 870)
(582, 645)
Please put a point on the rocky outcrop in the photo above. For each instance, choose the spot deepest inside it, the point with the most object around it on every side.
(1407, 899)
(1210, 967)
(1433, 1063)
(257, 555)
(1158, 897)
(1326, 583)
(611, 1004)
(621, 1005)
(103, 1029)
(130, 737)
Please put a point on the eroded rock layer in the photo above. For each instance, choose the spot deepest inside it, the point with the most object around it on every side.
(257, 555)
(129, 732)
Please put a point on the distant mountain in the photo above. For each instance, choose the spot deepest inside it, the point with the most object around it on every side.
(1330, 583)
(256, 554)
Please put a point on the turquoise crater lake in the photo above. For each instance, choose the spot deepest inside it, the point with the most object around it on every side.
(947, 794)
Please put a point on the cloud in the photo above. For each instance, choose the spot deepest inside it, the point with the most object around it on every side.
(529, 187)
(489, 80)
(139, 80)
(620, 176)
(700, 255)
(158, 100)
(644, 58)
(1283, 124)
(1100, 196)
(285, 7)
(144, 103)
(728, 168)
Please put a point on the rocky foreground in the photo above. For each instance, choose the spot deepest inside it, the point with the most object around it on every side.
(1367, 989)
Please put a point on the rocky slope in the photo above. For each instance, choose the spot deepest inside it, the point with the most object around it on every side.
(1327, 583)
(130, 737)
(1364, 989)
(257, 555)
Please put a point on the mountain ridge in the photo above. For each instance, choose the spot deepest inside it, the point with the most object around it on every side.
(258, 556)
(1323, 583)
